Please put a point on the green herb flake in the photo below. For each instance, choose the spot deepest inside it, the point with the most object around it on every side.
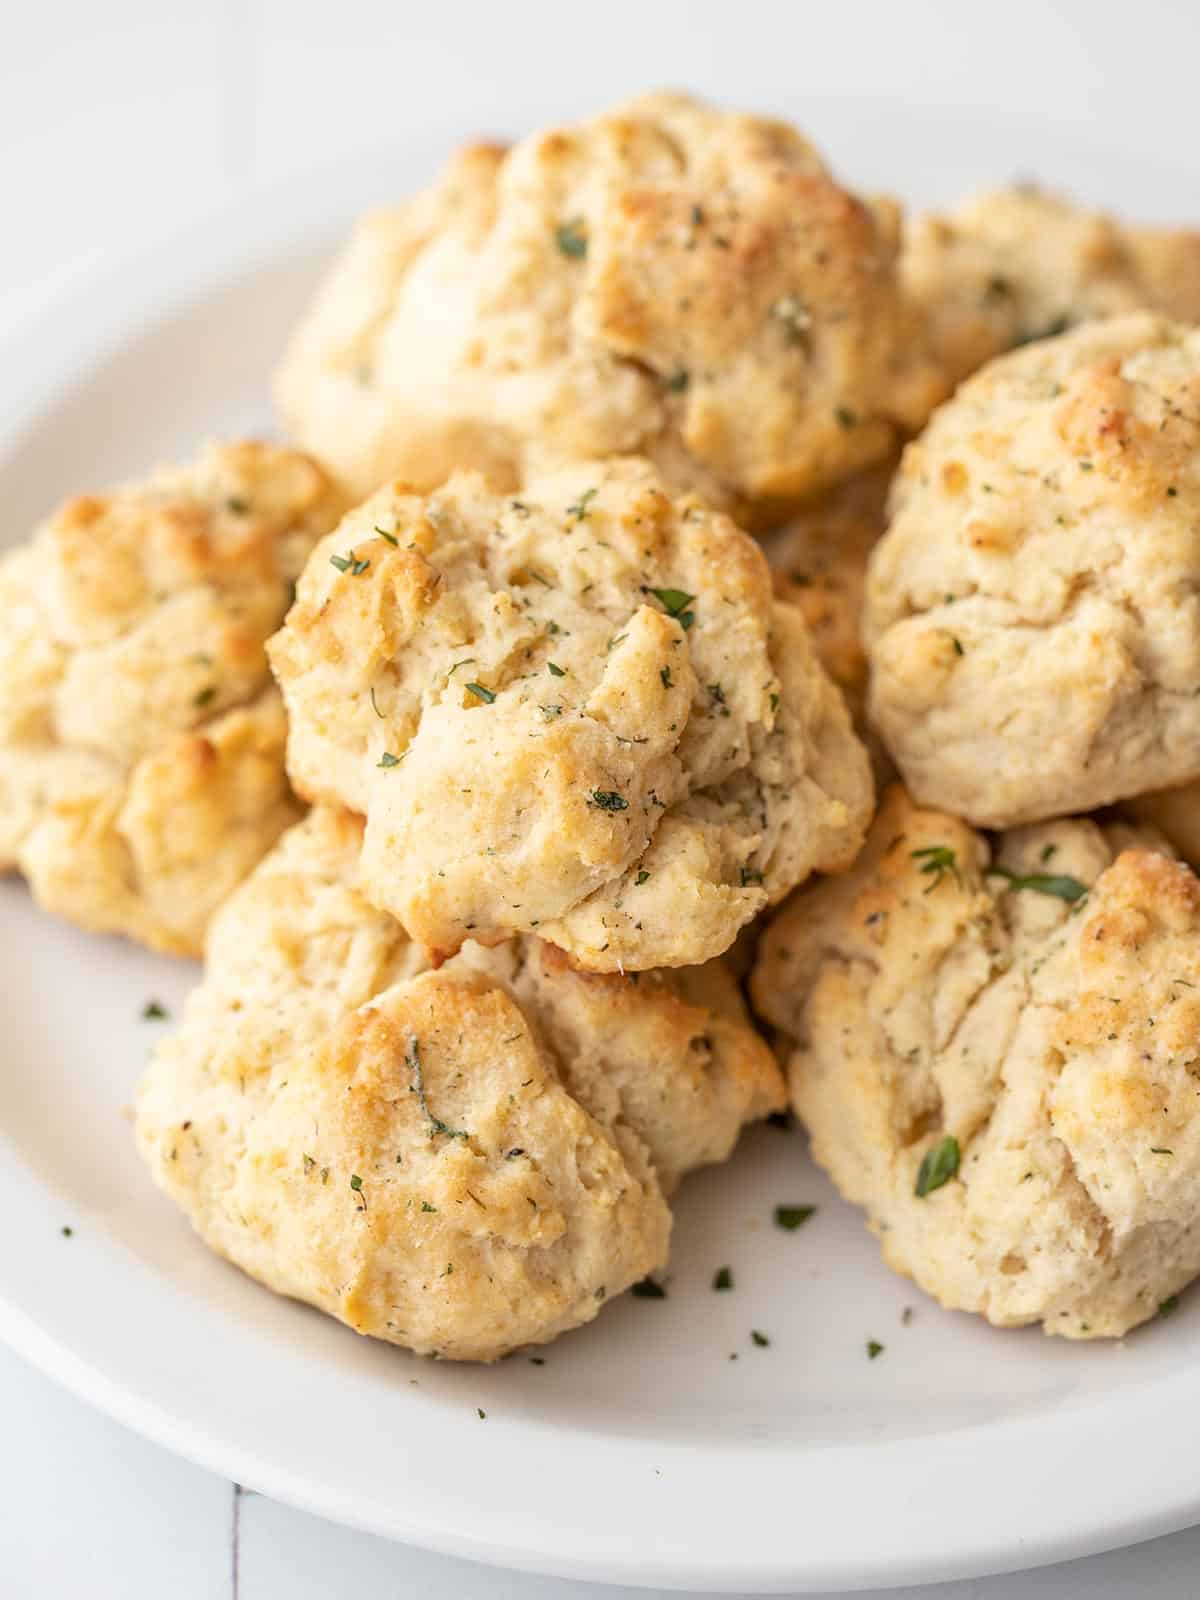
(1169, 1306)
(436, 1125)
(356, 1183)
(1061, 885)
(481, 1413)
(936, 861)
(390, 537)
(375, 703)
(480, 693)
(571, 239)
(675, 603)
(750, 875)
(349, 563)
(608, 800)
(845, 418)
(760, 1338)
(774, 702)
(237, 505)
(205, 695)
(387, 759)
(154, 1011)
(579, 509)
(874, 1348)
(67, 1233)
(1160, 1150)
(792, 1217)
(649, 1289)
(939, 1165)
(723, 1278)
(677, 382)
(642, 877)
(425, 1206)
(665, 674)
(555, 670)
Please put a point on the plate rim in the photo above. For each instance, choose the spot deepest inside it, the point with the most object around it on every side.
(1066, 1471)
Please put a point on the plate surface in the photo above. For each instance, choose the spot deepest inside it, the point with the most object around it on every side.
(660, 1445)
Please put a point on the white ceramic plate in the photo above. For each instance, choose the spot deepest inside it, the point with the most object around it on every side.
(642, 1451)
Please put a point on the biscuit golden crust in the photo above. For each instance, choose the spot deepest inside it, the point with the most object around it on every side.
(1017, 264)
(141, 741)
(1032, 619)
(460, 1161)
(666, 279)
(997, 1060)
(577, 711)
(1176, 815)
(819, 564)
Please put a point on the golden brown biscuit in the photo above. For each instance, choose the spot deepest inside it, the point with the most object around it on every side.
(1033, 612)
(576, 711)
(666, 279)
(1018, 264)
(997, 1058)
(141, 742)
(1176, 815)
(460, 1161)
(819, 562)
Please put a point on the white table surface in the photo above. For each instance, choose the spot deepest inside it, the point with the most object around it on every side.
(117, 120)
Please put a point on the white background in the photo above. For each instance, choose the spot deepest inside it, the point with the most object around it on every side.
(118, 120)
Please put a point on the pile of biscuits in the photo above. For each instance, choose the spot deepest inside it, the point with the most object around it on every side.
(655, 504)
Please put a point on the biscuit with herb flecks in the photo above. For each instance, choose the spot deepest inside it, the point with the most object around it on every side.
(666, 279)
(1033, 611)
(459, 1161)
(577, 712)
(1019, 264)
(996, 1056)
(141, 740)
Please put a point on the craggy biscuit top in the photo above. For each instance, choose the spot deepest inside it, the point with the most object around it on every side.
(1032, 613)
(665, 279)
(1018, 264)
(997, 1057)
(459, 1161)
(576, 710)
(141, 741)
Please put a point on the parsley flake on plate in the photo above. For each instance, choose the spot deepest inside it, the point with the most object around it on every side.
(792, 1217)
(648, 1289)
